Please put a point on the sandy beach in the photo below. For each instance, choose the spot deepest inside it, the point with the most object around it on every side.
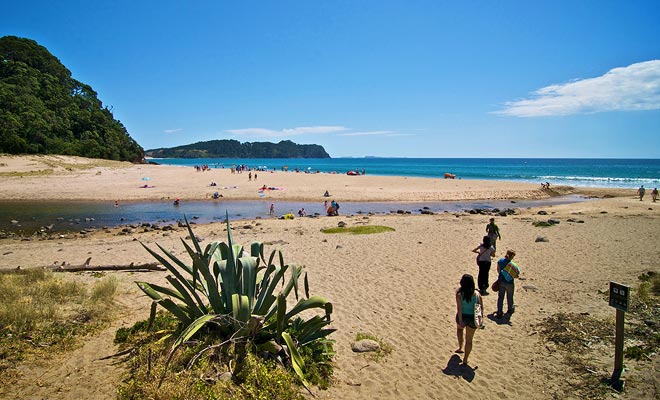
(399, 285)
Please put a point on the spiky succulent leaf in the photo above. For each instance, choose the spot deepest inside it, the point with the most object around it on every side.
(297, 361)
(191, 329)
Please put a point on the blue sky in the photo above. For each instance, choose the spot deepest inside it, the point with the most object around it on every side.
(369, 78)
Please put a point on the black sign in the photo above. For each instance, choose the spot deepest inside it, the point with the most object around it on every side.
(619, 296)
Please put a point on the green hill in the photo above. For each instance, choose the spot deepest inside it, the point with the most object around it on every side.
(236, 149)
(43, 110)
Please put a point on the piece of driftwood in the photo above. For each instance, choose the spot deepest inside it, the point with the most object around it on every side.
(65, 267)
(153, 266)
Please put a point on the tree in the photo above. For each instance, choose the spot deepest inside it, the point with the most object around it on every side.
(44, 110)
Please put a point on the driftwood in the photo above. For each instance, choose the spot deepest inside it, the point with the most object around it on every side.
(64, 267)
(153, 266)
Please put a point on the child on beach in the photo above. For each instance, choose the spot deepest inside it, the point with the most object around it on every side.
(466, 299)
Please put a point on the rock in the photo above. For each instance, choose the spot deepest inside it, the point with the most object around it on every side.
(247, 226)
(400, 212)
(341, 224)
(530, 287)
(542, 212)
(166, 234)
(426, 212)
(541, 239)
(554, 221)
(14, 222)
(365, 345)
(225, 377)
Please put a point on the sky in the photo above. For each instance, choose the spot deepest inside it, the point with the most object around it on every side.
(381, 78)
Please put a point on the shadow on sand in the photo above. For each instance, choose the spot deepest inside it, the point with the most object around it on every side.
(455, 368)
(505, 320)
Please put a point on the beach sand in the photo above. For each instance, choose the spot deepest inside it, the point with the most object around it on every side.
(399, 285)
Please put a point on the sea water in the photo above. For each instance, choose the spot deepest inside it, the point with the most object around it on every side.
(580, 172)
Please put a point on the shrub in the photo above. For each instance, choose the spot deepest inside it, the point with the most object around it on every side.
(227, 299)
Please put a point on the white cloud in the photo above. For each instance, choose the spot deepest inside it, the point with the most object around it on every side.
(376, 133)
(173, 130)
(303, 130)
(632, 88)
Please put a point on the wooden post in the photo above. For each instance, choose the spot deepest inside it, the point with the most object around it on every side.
(617, 383)
(619, 299)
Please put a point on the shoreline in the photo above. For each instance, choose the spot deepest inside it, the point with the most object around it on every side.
(70, 178)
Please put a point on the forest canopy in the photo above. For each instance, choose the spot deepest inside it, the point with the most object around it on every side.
(235, 149)
(43, 110)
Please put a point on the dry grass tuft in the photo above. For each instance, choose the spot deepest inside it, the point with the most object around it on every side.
(41, 313)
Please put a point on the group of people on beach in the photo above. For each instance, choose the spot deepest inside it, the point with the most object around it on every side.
(469, 300)
(641, 192)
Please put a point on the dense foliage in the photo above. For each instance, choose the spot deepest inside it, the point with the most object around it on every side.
(43, 110)
(236, 149)
(234, 301)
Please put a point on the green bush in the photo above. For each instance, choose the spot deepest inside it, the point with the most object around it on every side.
(235, 302)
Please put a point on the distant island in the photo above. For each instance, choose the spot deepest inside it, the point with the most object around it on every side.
(43, 110)
(228, 148)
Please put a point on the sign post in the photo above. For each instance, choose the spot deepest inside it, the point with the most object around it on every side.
(619, 299)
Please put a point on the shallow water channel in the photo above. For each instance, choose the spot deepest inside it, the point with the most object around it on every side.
(28, 216)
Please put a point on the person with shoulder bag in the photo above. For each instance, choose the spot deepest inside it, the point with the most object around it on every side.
(507, 271)
(469, 314)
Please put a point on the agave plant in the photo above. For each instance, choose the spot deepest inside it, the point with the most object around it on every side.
(239, 295)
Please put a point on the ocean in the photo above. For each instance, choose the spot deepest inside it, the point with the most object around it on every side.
(581, 172)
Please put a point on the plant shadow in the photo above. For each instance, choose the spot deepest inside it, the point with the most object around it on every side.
(456, 368)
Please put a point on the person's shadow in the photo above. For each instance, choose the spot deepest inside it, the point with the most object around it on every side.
(505, 320)
(455, 368)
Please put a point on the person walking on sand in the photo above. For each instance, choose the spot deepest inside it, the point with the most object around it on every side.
(485, 252)
(507, 271)
(466, 299)
(654, 194)
(640, 192)
(493, 232)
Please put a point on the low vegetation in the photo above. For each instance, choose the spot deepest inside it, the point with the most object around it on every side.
(577, 336)
(41, 314)
(226, 330)
(359, 230)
